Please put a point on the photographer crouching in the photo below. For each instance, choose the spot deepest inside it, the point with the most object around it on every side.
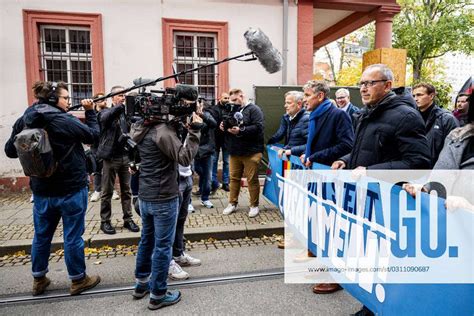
(160, 150)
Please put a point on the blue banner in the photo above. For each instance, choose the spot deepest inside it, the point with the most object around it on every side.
(396, 299)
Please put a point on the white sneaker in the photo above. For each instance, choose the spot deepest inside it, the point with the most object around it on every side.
(207, 204)
(176, 273)
(95, 196)
(115, 196)
(32, 199)
(229, 209)
(191, 208)
(253, 211)
(186, 260)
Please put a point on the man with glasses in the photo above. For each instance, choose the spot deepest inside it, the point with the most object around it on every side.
(389, 131)
(116, 161)
(63, 194)
(343, 101)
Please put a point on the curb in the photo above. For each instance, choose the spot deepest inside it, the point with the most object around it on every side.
(192, 234)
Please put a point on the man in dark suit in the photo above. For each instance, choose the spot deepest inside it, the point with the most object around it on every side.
(330, 130)
(330, 133)
(343, 101)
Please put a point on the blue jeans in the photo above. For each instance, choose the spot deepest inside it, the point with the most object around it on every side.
(185, 188)
(225, 168)
(203, 168)
(154, 250)
(47, 211)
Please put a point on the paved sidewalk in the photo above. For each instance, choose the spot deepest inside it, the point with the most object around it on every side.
(16, 223)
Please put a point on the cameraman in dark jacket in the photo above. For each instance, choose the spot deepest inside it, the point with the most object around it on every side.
(113, 137)
(246, 150)
(219, 111)
(160, 150)
(63, 195)
(98, 106)
(203, 159)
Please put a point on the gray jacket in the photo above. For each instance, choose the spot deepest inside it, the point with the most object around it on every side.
(454, 145)
(160, 151)
(456, 182)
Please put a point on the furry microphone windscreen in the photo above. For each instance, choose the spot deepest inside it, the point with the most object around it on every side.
(260, 44)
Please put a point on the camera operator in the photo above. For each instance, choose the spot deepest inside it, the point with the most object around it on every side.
(112, 149)
(219, 111)
(203, 159)
(246, 150)
(98, 106)
(63, 194)
(160, 150)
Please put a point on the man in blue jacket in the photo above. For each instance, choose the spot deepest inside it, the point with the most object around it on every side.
(63, 195)
(293, 126)
(330, 132)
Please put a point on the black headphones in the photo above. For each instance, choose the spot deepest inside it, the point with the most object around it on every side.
(52, 97)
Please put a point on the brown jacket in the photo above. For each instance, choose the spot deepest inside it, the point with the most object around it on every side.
(160, 151)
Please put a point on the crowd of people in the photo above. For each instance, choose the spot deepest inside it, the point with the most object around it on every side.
(394, 129)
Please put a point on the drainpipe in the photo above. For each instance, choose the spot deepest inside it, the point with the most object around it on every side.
(285, 43)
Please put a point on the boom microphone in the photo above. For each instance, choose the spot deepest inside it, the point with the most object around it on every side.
(187, 92)
(140, 81)
(260, 45)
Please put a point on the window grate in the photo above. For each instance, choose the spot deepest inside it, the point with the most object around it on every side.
(66, 55)
(193, 50)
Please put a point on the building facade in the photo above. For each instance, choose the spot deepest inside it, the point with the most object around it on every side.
(94, 45)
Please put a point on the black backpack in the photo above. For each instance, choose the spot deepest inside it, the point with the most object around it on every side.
(35, 152)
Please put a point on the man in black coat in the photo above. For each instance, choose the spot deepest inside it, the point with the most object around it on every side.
(246, 150)
(113, 128)
(390, 132)
(438, 122)
(218, 111)
(203, 159)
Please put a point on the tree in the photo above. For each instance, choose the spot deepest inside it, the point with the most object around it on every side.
(344, 56)
(428, 29)
(350, 75)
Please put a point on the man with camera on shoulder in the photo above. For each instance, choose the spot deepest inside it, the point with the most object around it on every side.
(112, 149)
(161, 151)
(244, 129)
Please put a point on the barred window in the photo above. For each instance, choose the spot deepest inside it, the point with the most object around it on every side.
(192, 50)
(66, 55)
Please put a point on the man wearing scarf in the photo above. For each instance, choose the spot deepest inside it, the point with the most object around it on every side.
(330, 135)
